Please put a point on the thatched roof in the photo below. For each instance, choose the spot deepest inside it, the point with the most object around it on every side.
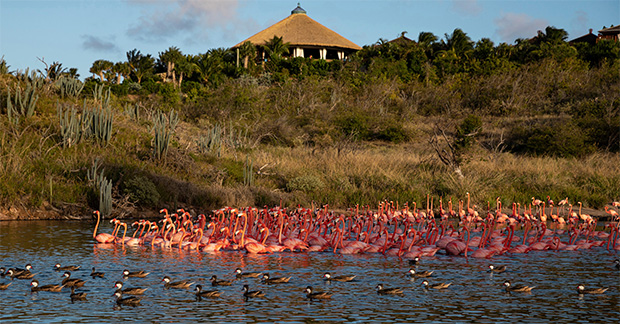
(300, 30)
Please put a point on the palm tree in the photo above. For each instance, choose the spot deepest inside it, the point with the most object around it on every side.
(184, 67)
(247, 50)
(169, 58)
(140, 65)
(459, 42)
(209, 64)
(276, 47)
(427, 41)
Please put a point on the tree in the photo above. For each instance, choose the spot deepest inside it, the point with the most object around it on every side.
(428, 42)
(99, 67)
(551, 35)
(276, 47)
(53, 71)
(122, 70)
(247, 50)
(185, 67)
(140, 65)
(459, 42)
(170, 58)
(209, 64)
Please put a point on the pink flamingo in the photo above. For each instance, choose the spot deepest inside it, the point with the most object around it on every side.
(101, 237)
(457, 247)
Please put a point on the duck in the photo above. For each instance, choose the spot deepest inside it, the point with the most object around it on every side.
(182, 284)
(207, 293)
(57, 267)
(72, 282)
(5, 286)
(129, 291)
(388, 291)
(35, 287)
(96, 274)
(498, 269)
(617, 264)
(421, 274)
(414, 261)
(129, 301)
(343, 278)
(581, 289)
(441, 285)
(268, 280)
(77, 296)
(22, 275)
(316, 295)
(240, 274)
(135, 274)
(216, 282)
(518, 288)
(2, 272)
(247, 293)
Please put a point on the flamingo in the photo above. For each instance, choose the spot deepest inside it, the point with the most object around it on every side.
(101, 237)
(457, 247)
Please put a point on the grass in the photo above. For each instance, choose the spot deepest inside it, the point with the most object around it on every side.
(295, 165)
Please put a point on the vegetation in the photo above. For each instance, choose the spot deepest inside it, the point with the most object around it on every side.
(538, 118)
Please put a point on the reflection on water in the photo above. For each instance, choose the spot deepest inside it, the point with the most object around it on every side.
(475, 295)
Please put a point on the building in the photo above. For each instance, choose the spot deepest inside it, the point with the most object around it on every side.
(612, 33)
(589, 38)
(306, 38)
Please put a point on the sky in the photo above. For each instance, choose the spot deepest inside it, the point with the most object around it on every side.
(78, 32)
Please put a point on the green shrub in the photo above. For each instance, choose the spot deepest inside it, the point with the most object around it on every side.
(308, 183)
(561, 140)
(353, 125)
(141, 190)
(394, 133)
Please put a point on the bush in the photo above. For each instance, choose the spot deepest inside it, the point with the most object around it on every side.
(552, 139)
(309, 183)
(142, 191)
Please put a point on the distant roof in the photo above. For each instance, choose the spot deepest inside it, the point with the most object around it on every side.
(587, 38)
(610, 30)
(402, 40)
(298, 29)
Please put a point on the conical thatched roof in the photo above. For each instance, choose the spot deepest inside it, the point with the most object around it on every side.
(300, 30)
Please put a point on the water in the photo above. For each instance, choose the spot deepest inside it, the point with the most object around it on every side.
(475, 295)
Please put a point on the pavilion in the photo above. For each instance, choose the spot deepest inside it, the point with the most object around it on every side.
(306, 38)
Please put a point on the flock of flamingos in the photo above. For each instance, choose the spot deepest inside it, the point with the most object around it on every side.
(404, 232)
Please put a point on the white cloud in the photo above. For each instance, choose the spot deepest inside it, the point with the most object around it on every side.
(510, 26)
(189, 19)
(469, 7)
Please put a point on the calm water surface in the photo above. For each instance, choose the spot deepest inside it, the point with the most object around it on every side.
(475, 295)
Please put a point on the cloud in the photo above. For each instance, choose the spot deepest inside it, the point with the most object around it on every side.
(192, 20)
(468, 7)
(510, 26)
(95, 43)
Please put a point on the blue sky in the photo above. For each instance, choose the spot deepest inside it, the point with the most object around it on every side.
(78, 32)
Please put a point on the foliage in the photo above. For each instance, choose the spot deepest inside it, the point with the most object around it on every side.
(141, 190)
(24, 103)
(69, 87)
(307, 184)
(555, 138)
(163, 129)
